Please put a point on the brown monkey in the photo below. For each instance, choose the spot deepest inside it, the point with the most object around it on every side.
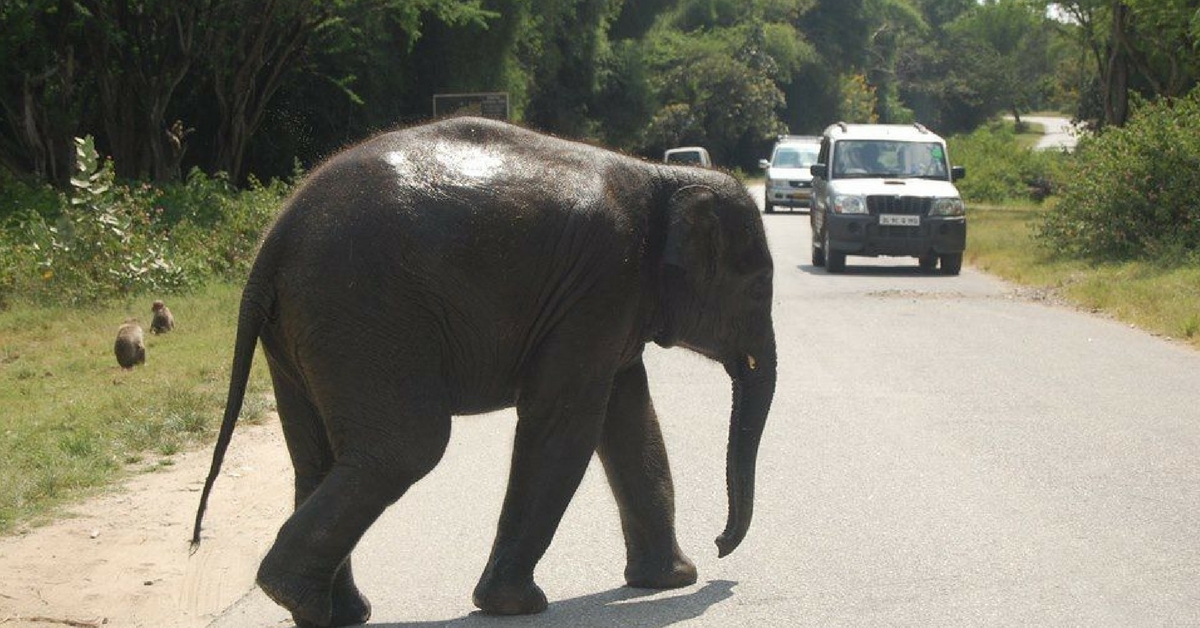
(163, 320)
(129, 347)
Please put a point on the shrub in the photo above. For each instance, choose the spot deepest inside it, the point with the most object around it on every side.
(102, 243)
(106, 239)
(1131, 192)
(217, 228)
(1000, 170)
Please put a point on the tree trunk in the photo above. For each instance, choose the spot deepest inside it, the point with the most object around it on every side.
(136, 82)
(1116, 75)
(265, 46)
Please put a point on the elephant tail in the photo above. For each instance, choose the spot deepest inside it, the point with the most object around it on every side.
(251, 318)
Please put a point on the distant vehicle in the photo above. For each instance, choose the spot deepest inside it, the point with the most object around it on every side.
(886, 189)
(789, 182)
(688, 156)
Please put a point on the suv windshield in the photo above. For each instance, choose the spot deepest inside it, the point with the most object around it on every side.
(795, 156)
(884, 158)
(691, 157)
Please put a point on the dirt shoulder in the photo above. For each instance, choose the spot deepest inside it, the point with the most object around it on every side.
(122, 559)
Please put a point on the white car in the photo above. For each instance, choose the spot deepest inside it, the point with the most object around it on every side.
(688, 156)
(789, 182)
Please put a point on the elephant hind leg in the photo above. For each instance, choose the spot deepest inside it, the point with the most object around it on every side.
(312, 459)
(635, 461)
(307, 570)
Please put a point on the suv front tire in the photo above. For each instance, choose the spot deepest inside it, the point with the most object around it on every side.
(835, 261)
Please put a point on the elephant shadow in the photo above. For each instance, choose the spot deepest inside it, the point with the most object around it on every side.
(615, 607)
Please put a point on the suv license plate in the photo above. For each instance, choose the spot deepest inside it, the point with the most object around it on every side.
(897, 220)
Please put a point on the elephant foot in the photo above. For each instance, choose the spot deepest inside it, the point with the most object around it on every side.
(350, 608)
(673, 573)
(311, 601)
(509, 598)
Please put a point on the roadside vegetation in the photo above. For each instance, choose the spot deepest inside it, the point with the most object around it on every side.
(1118, 232)
(73, 266)
(74, 421)
(1161, 298)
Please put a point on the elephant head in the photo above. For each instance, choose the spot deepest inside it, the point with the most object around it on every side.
(716, 280)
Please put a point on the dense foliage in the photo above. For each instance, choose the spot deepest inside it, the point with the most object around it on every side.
(107, 239)
(1130, 192)
(999, 170)
(247, 88)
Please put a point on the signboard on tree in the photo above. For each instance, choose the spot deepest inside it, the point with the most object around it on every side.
(488, 105)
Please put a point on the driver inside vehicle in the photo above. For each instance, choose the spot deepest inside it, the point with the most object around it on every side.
(859, 158)
(849, 161)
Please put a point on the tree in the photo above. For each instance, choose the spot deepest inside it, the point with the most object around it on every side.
(141, 50)
(716, 78)
(1137, 46)
(565, 52)
(864, 37)
(1017, 36)
(891, 22)
(256, 46)
(41, 89)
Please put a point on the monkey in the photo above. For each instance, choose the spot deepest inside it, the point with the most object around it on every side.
(163, 320)
(129, 347)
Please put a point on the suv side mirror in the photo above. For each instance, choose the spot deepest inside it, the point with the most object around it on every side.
(818, 170)
(958, 172)
(764, 163)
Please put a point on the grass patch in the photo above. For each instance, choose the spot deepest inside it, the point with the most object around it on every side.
(71, 421)
(1160, 298)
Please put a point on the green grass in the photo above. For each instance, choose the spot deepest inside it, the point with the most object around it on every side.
(1158, 298)
(72, 421)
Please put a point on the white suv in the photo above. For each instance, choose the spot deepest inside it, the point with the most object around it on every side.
(886, 189)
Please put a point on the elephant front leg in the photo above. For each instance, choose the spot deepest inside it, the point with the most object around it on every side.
(553, 446)
(635, 461)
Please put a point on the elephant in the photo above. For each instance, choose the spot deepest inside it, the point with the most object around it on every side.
(467, 265)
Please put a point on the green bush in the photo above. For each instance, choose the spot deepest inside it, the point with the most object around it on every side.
(106, 239)
(217, 228)
(1000, 170)
(1131, 193)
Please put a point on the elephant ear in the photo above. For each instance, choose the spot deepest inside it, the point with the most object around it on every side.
(694, 240)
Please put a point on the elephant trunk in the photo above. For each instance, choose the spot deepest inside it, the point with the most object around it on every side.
(753, 389)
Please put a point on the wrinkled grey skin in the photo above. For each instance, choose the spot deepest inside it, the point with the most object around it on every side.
(130, 347)
(469, 265)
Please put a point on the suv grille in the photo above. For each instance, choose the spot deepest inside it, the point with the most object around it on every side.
(912, 205)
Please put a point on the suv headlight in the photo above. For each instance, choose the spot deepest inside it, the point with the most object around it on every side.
(849, 204)
(948, 207)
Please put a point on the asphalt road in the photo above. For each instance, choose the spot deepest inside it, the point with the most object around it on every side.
(1058, 134)
(940, 452)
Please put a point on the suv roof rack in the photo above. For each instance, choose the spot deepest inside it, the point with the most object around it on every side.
(920, 127)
